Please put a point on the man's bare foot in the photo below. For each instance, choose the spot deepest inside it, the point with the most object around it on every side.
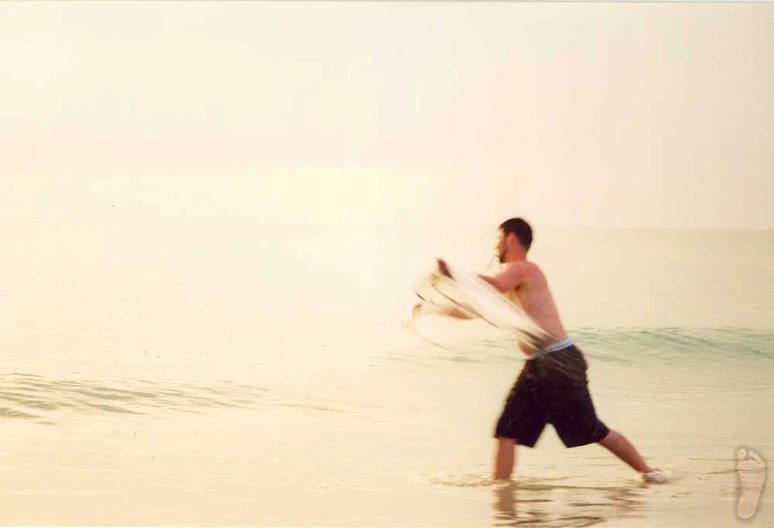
(751, 470)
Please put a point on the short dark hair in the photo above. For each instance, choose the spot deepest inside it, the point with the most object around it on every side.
(520, 228)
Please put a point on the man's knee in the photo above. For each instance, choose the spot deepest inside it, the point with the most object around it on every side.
(609, 437)
(505, 442)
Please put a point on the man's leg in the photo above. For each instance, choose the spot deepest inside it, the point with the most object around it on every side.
(505, 458)
(617, 444)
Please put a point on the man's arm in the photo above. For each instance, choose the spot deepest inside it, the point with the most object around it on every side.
(509, 279)
(446, 311)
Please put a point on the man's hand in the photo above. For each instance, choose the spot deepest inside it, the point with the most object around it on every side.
(442, 267)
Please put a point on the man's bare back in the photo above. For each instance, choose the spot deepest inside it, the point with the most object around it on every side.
(531, 291)
(524, 282)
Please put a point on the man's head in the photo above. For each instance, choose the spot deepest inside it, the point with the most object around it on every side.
(514, 240)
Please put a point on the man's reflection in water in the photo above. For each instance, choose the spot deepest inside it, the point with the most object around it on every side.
(509, 513)
(530, 506)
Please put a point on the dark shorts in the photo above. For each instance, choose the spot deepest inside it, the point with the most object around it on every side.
(552, 389)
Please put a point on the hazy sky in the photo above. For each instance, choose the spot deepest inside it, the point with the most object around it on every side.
(615, 115)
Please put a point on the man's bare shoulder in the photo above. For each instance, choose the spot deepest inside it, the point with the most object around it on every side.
(531, 271)
(515, 274)
(524, 266)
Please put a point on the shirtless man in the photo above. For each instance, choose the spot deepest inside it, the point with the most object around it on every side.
(552, 387)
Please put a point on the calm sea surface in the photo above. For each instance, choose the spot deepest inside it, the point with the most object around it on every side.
(193, 373)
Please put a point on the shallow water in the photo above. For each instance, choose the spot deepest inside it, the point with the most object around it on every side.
(150, 397)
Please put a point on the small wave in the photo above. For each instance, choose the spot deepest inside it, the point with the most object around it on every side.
(674, 344)
(39, 399)
(668, 345)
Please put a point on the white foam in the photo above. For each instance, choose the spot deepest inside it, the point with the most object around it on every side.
(658, 477)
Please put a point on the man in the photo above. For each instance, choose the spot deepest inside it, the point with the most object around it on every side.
(552, 387)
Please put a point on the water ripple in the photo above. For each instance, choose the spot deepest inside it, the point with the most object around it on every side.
(40, 399)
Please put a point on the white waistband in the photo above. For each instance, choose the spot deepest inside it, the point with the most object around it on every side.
(552, 348)
(558, 346)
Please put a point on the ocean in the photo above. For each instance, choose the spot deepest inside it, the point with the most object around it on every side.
(202, 372)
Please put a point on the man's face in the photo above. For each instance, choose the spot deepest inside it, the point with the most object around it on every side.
(501, 239)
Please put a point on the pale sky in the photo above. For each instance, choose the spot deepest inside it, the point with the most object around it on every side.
(609, 115)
